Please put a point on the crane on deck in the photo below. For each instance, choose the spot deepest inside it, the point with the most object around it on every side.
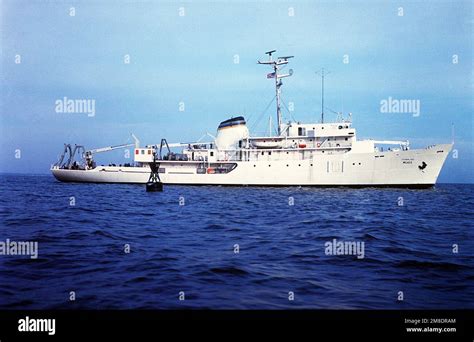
(88, 155)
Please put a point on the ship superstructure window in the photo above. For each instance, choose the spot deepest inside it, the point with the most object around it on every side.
(212, 154)
(301, 131)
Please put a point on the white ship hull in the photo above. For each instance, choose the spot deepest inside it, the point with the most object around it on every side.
(404, 168)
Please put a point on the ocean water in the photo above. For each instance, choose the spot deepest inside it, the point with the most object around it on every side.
(190, 249)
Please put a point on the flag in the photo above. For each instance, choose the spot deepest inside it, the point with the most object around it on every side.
(271, 75)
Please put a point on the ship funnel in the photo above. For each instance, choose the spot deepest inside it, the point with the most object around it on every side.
(230, 132)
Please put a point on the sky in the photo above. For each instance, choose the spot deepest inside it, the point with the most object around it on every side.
(174, 70)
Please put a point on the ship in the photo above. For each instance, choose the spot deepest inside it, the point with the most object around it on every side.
(325, 154)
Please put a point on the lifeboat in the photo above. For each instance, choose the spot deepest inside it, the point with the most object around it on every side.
(267, 143)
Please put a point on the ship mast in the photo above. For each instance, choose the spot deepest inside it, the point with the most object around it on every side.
(278, 83)
(322, 73)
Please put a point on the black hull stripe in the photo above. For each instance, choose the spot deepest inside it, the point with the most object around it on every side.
(359, 186)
